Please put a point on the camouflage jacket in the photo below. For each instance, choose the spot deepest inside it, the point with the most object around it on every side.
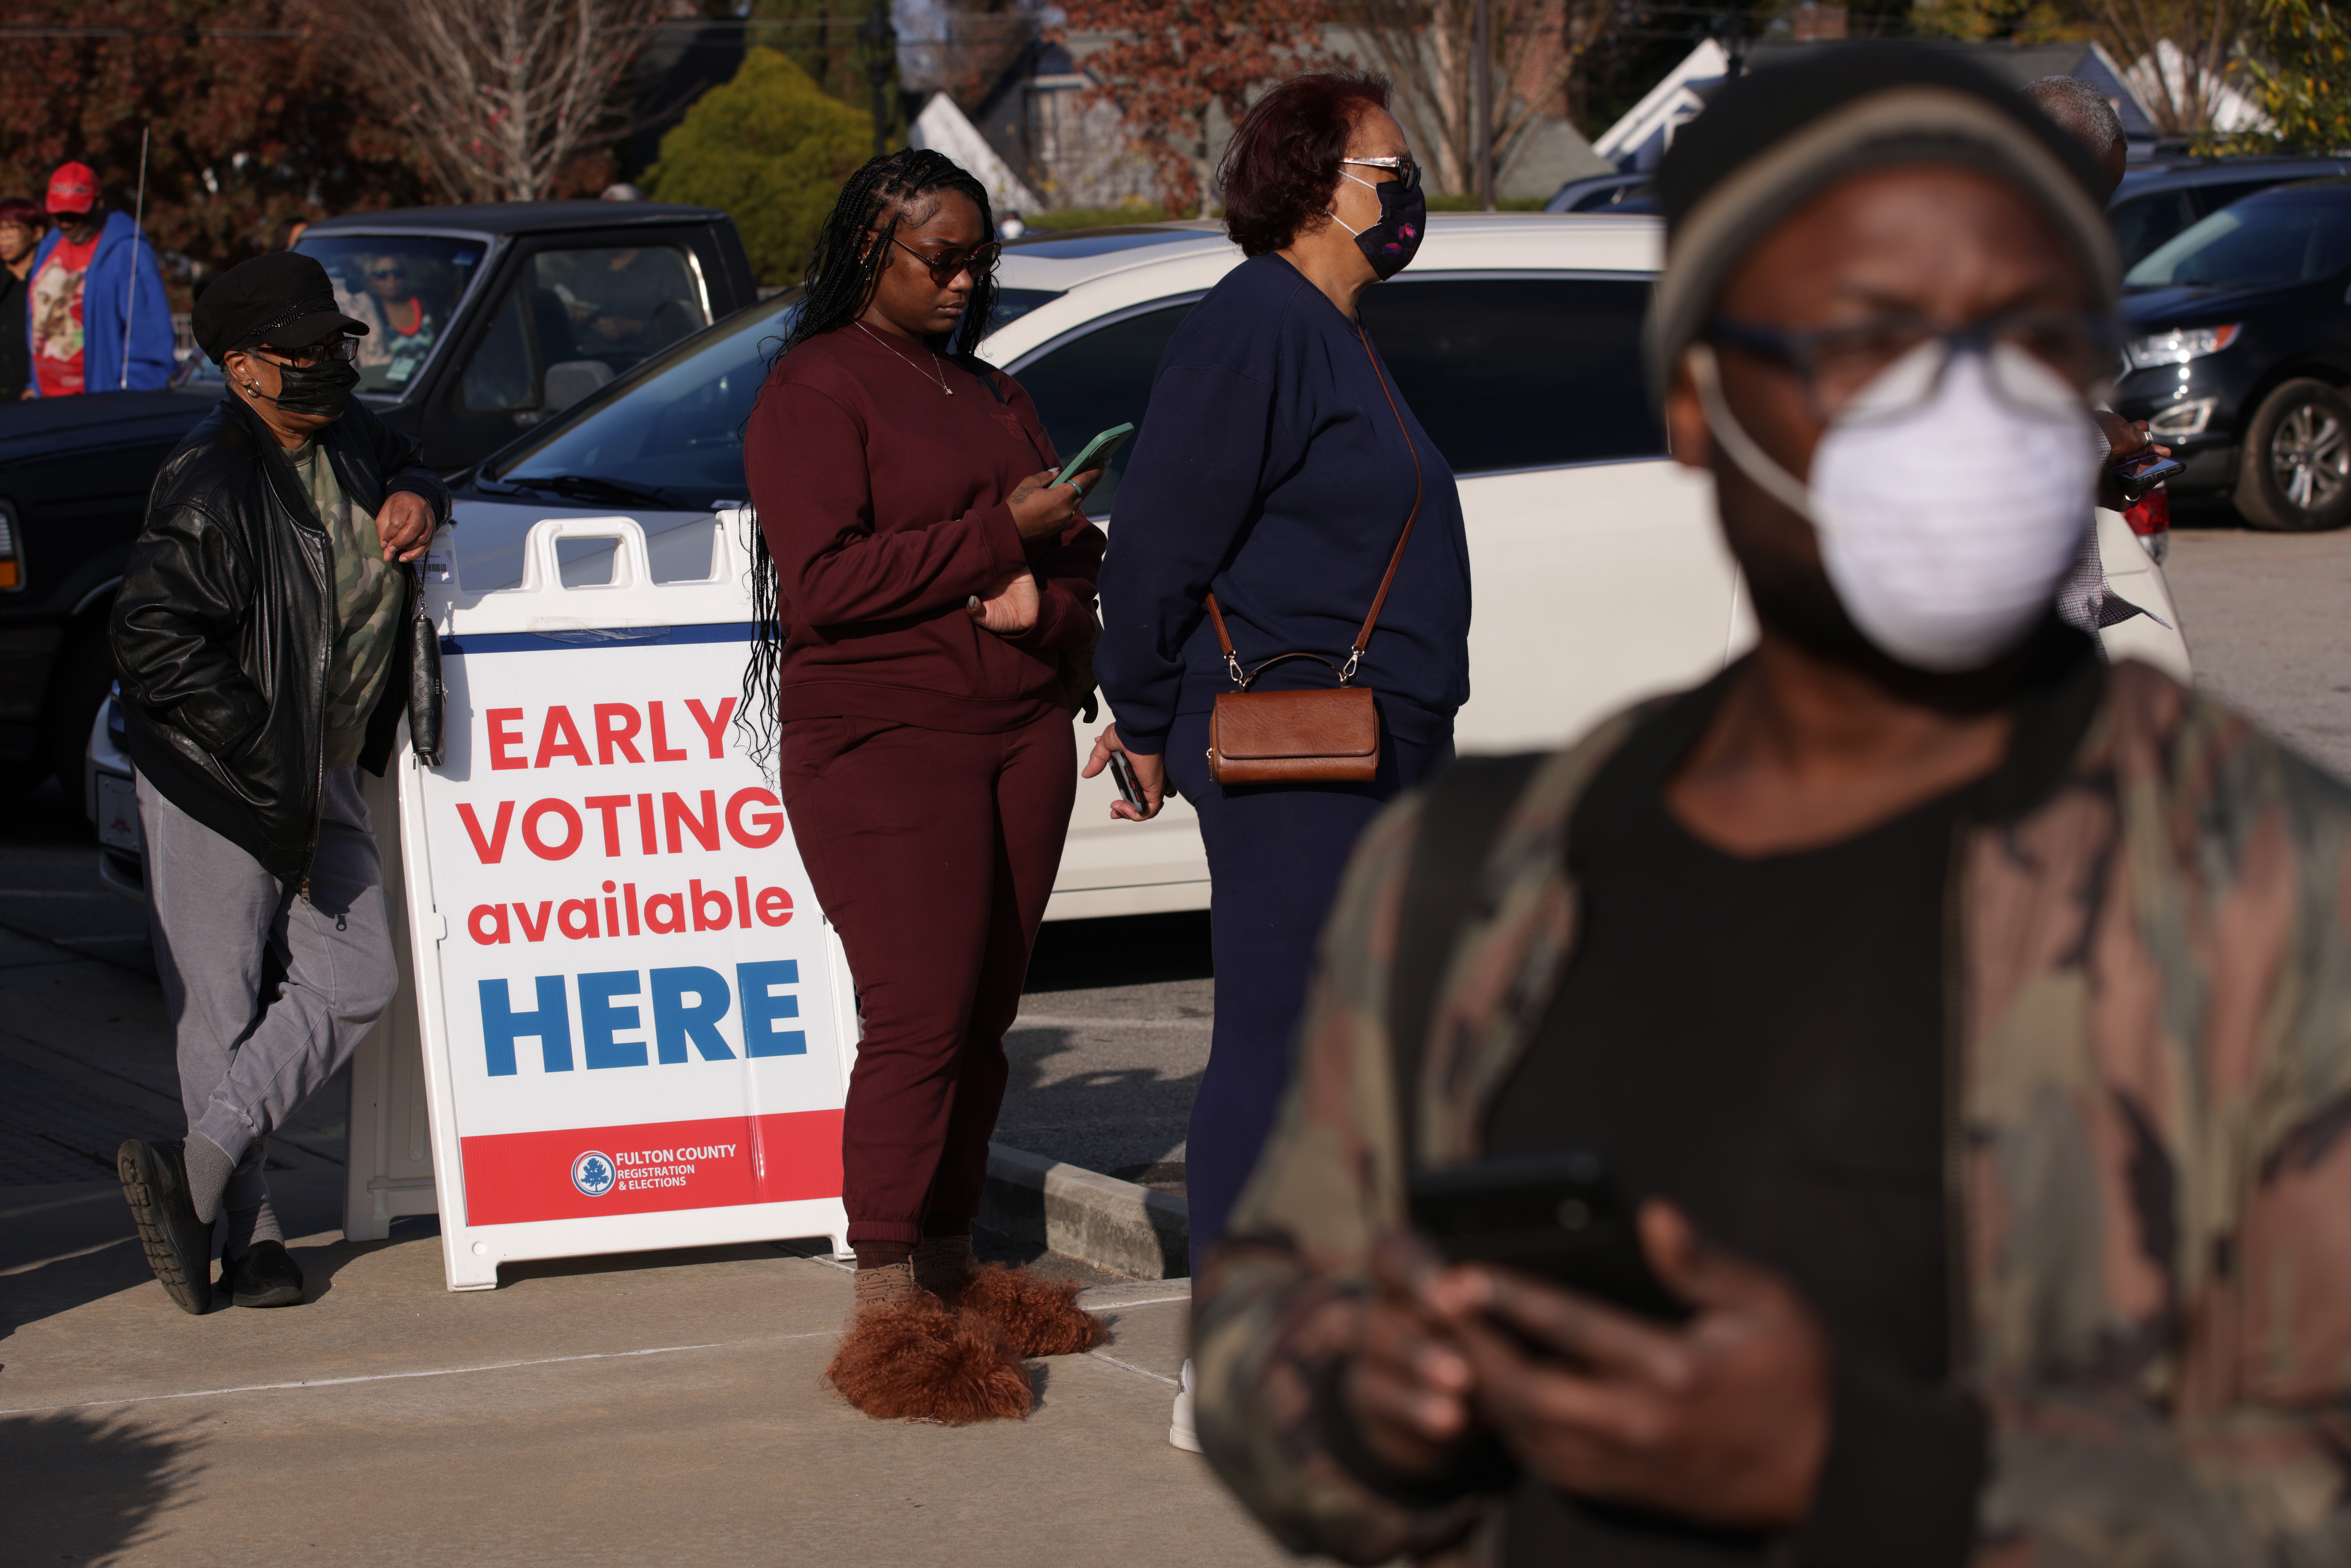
(2150, 1049)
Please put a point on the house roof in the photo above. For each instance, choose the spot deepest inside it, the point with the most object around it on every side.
(1640, 139)
(944, 128)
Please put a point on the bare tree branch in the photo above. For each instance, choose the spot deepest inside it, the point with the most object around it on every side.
(2175, 52)
(499, 94)
(1427, 48)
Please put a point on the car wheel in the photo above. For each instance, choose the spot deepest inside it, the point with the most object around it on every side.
(2295, 474)
(85, 673)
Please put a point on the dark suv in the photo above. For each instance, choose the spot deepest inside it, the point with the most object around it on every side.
(482, 322)
(2157, 199)
(2239, 350)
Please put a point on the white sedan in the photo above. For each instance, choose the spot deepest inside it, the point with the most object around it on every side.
(1598, 573)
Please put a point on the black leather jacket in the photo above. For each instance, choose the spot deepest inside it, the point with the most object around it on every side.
(223, 628)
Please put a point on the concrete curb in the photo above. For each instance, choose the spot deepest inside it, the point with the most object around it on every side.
(1107, 1222)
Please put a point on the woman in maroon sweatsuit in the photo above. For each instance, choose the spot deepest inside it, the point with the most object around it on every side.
(930, 584)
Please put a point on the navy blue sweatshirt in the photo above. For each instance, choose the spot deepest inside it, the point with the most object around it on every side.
(1271, 469)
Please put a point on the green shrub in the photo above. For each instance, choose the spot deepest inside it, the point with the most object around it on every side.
(771, 149)
(1469, 203)
(1097, 217)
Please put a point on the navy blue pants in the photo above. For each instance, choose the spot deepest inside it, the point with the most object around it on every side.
(1275, 856)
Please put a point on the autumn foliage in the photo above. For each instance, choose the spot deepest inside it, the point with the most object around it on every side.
(250, 131)
(1170, 64)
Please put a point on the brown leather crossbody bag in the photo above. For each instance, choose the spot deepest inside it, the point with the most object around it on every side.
(1328, 737)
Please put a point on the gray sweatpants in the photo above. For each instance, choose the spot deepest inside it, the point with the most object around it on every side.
(249, 1058)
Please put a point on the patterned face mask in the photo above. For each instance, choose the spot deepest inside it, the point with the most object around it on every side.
(1390, 244)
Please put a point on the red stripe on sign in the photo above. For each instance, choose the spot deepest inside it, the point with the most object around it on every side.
(581, 1172)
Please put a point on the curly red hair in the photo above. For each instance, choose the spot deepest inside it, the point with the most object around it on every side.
(1279, 168)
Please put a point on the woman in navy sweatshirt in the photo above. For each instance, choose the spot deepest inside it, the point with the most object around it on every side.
(1272, 469)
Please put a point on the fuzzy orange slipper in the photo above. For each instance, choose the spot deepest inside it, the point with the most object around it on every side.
(1036, 1317)
(920, 1360)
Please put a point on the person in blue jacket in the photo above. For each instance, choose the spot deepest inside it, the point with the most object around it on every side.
(1276, 466)
(95, 316)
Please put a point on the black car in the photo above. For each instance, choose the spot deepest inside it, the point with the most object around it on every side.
(2157, 199)
(484, 320)
(2239, 350)
(1606, 194)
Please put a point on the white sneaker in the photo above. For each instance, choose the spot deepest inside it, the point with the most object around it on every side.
(1180, 1431)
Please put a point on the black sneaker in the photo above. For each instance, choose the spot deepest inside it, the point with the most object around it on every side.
(179, 1245)
(265, 1277)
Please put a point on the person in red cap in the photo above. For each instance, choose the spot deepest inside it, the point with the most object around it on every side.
(96, 317)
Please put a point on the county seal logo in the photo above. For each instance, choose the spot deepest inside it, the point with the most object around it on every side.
(592, 1174)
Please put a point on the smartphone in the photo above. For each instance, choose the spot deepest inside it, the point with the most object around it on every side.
(1555, 1213)
(1098, 452)
(2137, 475)
(1130, 788)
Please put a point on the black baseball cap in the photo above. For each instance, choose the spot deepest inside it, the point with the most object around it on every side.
(283, 299)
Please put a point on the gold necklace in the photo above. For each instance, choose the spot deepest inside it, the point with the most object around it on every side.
(911, 364)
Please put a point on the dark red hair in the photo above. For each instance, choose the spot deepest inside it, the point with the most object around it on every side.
(23, 212)
(1279, 168)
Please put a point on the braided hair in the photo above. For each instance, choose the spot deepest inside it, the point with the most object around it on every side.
(858, 240)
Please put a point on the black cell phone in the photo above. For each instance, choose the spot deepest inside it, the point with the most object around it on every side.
(1556, 1214)
(2137, 475)
(1130, 787)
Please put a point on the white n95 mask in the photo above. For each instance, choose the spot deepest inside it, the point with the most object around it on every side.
(1950, 496)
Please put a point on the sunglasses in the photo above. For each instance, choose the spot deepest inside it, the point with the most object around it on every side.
(339, 349)
(1407, 171)
(979, 261)
(1836, 363)
(382, 273)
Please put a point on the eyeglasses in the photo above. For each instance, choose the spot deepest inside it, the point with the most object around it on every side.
(979, 261)
(1407, 171)
(2025, 352)
(381, 274)
(341, 347)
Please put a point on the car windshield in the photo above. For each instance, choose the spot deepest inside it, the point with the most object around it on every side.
(2270, 241)
(673, 434)
(405, 287)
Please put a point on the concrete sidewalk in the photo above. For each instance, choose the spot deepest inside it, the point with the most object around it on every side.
(603, 1410)
(626, 1409)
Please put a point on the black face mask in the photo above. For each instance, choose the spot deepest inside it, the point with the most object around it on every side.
(322, 389)
(1390, 244)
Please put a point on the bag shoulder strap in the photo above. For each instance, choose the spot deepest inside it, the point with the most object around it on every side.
(1460, 820)
(1395, 557)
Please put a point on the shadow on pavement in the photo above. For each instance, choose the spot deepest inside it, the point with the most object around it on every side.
(1115, 1119)
(2206, 511)
(322, 1261)
(1127, 950)
(61, 1246)
(66, 1245)
(513, 1274)
(89, 1484)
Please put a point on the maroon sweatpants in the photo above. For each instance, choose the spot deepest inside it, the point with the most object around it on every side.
(933, 853)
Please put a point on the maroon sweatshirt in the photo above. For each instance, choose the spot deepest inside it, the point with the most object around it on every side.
(883, 501)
